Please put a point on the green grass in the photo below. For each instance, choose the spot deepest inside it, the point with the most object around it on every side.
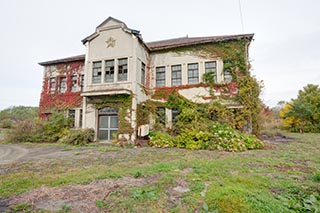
(283, 177)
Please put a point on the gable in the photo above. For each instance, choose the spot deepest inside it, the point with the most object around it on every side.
(111, 23)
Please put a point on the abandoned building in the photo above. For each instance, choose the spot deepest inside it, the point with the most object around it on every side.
(105, 88)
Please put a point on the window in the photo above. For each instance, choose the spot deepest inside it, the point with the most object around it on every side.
(160, 76)
(143, 73)
(96, 72)
(227, 72)
(123, 69)
(161, 115)
(72, 116)
(63, 85)
(211, 69)
(52, 84)
(80, 118)
(174, 114)
(109, 67)
(176, 75)
(82, 82)
(74, 83)
(193, 73)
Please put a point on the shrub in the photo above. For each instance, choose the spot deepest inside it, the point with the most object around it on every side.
(39, 130)
(6, 123)
(217, 136)
(22, 132)
(77, 136)
(193, 139)
(161, 140)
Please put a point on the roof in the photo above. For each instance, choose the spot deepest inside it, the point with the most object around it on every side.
(186, 41)
(64, 60)
(164, 44)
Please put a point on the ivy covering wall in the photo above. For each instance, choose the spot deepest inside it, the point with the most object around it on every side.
(243, 91)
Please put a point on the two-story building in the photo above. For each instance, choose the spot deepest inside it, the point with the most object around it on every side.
(119, 72)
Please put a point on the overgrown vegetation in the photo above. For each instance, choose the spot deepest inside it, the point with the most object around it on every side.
(10, 116)
(303, 113)
(194, 127)
(56, 128)
(201, 126)
(283, 177)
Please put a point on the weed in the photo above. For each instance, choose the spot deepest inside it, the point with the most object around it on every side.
(102, 204)
(144, 194)
(22, 207)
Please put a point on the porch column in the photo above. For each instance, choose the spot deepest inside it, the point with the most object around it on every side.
(84, 112)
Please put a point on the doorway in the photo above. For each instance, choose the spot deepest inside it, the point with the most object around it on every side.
(108, 123)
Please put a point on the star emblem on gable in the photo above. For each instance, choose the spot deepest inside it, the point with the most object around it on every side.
(111, 42)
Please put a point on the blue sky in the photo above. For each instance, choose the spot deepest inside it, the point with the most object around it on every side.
(285, 53)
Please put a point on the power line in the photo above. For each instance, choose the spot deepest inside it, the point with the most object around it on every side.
(241, 18)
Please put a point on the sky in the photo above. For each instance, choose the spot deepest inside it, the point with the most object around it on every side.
(285, 53)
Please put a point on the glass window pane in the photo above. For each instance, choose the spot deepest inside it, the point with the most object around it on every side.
(113, 134)
(103, 135)
(113, 121)
(103, 122)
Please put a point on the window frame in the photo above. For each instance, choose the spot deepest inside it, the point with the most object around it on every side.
(193, 73)
(62, 84)
(96, 72)
(161, 72)
(122, 69)
(212, 70)
(110, 72)
(52, 84)
(74, 83)
(227, 76)
(161, 115)
(81, 82)
(176, 80)
(72, 116)
(143, 73)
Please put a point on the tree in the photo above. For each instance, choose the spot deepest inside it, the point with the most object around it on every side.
(306, 109)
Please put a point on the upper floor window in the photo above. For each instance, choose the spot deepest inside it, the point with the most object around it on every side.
(109, 67)
(227, 72)
(63, 84)
(160, 76)
(52, 84)
(82, 82)
(211, 69)
(96, 72)
(193, 73)
(74, 83)
(123, 69)
(143, 73)
(176, 75)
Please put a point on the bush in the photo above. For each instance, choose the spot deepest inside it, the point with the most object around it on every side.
(39, 130)
(193, 139)
(6, 123)
(78, 137)
(22, 132)
(161, 140)
(217, 136)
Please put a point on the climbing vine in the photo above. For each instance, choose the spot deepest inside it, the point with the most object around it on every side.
(121, 102)
(238, 104)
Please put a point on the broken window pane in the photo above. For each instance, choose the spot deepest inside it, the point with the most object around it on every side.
(123, 69)
(96, 72)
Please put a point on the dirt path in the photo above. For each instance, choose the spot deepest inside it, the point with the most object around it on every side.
(10, 153)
